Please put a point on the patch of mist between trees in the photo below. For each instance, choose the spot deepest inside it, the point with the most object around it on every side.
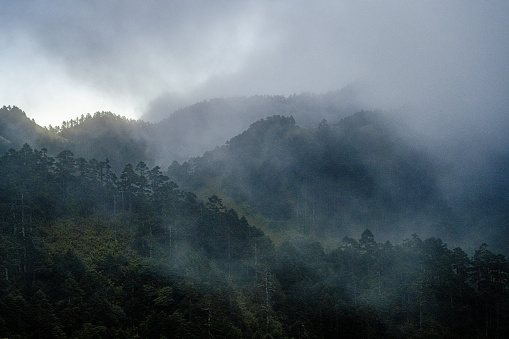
(178, 259)
(189, 264)
(464, 145)
(185, 260)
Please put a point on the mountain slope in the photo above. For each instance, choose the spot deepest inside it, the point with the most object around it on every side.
(355, 174)
(193, 130)
(362, 172)
(84, 256)
(105, 135)
(198, 128)
(16, 129)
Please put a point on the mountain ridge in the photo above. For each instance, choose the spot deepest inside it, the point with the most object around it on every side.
(118, 141)
(338, 177)
(185, 133)
(16, 129)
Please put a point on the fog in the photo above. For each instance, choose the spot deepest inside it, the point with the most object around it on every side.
(444, 62)
(438, 67)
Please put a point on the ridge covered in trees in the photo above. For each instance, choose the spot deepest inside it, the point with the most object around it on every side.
(179, 135)
(17, 129)
(325, 180)
(89, 253)
(107, 135)
(270, 235)
(198, 128)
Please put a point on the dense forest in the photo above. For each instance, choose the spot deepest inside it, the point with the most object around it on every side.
(86, 254)
(286, 231)
(338, 179)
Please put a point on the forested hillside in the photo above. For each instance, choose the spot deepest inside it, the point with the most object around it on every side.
(193, 130)
(17, 129)
(325, 180)
(105, 135)
(180, 135)
(288, 230)
(87, 254)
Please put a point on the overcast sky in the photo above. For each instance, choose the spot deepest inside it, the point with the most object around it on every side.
(61, 59)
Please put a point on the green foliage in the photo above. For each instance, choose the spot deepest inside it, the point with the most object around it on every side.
(106, 135)
(84, 254)
(100, 254)
(17, 129)
(323, 180)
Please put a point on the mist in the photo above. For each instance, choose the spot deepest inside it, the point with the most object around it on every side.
(276, 141)
(438, 68)
(443, 62)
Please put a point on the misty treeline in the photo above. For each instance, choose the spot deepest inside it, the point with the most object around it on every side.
(16, 129)
(323, 180)
(365, 170)
(88, 253)
(186, 133)
(67, 125)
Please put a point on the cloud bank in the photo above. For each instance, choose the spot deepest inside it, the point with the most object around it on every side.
(444, 60)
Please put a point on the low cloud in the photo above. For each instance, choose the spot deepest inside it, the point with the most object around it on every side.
(444, 62)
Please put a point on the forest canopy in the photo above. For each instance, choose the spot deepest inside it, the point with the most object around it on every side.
(89, 253)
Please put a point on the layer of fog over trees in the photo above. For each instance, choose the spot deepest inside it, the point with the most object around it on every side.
(316, 219)
(295, 170)
(462, 170)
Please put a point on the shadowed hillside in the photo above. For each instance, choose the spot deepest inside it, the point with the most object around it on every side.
(325, 179)
(345, 174)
